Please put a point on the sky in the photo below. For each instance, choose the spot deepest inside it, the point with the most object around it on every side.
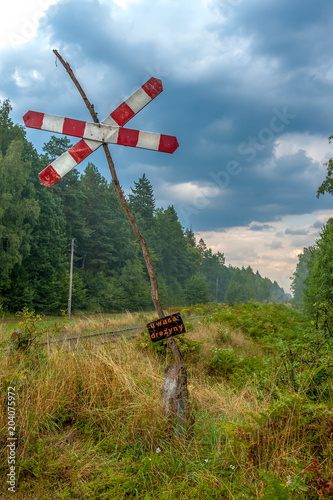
(248, 91)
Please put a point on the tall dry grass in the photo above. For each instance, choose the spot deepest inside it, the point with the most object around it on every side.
(84, 410)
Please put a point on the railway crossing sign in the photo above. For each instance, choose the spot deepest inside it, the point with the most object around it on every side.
(111, 130)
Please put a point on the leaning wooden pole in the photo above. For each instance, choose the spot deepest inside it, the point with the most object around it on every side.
(176, 402)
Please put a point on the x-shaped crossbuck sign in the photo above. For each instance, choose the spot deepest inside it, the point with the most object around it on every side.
(94, 135)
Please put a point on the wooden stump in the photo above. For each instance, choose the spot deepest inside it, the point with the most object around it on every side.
(175, 400)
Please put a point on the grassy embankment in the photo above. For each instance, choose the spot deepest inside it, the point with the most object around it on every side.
(89, 421)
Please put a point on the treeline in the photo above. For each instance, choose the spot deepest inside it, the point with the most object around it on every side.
(37, 224)
(312, 281)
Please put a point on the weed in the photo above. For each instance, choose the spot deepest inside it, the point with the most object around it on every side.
(29, 331)
(90, 422)
(189, 348)
(222, 362)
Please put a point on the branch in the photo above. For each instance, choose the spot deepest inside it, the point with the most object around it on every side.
(78, 86)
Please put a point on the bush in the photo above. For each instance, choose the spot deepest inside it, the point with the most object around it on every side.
(189, 348)
(222, 362)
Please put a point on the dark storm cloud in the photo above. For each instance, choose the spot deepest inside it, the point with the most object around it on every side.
(232, 87)
(289, 32)
(263, 193)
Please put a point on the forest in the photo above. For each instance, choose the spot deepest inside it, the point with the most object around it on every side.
(37, 225)
(312, 281)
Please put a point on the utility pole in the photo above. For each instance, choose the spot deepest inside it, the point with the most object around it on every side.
(71, 279)
(217, 287)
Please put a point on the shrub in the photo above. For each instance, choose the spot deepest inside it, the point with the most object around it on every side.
(222, 361)
(188, 347)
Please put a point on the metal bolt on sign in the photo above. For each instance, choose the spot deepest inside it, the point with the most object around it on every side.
(111, 131)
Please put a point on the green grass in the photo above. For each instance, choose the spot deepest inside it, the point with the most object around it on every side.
(50, 327)
(90, 425)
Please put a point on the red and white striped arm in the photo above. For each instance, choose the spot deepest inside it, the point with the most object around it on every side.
(82, 149)
(101, 133)
(67, 161)
(135, 103)
(144, 140)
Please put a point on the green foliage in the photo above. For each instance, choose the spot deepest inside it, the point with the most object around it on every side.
(142, 201)
(8, 131)
(29, 330)
(37, 223)
(18, 210)
(319, 283)
(327, 184)
(308, 360)
(55, 147)
(46, 264)
(104, 434)
(222, 362)
(223, 334)
(245, 286)
(274, 488)
(271, 322)
(298, 352)
(189, 348)
(196, 289)
(300, 275)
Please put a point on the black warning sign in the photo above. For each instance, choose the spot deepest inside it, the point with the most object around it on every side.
(166, 327)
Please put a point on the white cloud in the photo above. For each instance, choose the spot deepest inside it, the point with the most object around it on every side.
(316, 147)
(187, 39)
(272, 252)
(197, 195)
(123, 3)
(19, 21)
(26, 78)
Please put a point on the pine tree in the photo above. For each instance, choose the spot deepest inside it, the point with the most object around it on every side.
(298, 284)
(55, 147)
(48, 256)
(196, 289)
(97, 247)
(18, 211)
(319, 283)
(190, 237)
(142, 201)
(8, 131)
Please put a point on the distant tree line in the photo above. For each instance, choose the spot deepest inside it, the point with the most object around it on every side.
(37, 223)
(312, 281)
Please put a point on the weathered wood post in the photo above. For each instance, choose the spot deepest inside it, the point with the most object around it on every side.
(175, 402)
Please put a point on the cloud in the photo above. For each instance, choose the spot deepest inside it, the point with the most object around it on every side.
(296, 232)
(17, 30)
(260, 227)
(262, 250)
(315, 147)
(318, 224)
(275, 245)
(246, 87)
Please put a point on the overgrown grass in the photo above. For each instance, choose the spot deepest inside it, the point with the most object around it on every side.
(62, 326)
(90, 425)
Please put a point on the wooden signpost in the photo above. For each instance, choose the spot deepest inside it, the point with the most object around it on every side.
(111, 130)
